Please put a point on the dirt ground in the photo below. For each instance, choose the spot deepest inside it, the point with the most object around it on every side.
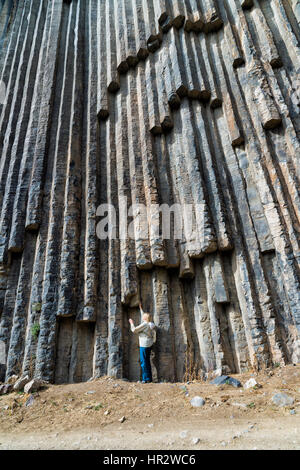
(112, 414)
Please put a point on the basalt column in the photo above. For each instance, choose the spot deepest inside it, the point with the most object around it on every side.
(149, 102)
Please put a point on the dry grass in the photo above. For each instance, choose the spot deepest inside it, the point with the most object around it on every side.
(65, 407)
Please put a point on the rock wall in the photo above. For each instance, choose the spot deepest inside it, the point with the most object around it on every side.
(164, 102)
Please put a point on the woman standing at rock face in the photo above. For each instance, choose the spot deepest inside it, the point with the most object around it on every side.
(147, 337)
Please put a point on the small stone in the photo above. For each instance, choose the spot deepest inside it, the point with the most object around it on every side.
(15, 404)
(239, 405)
(106, 413)
(282, 399)
(6, 388)
(195, 440)
(122, 419)
(91, 392)
(154, 45)
(30, 401)
(20, 383)
(293, 412)
(252, 384)
(197, 402)
(225, 398)
(183, 434)
(150, 425)
(12, 379)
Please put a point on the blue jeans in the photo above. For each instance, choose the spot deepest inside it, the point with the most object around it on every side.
(145, 364)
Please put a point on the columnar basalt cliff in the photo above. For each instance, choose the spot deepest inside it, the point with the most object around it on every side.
(162, 102)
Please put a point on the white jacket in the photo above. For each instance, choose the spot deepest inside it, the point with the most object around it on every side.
(146, 332)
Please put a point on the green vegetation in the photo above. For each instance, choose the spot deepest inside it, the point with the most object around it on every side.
(97, 407)
(35, 330)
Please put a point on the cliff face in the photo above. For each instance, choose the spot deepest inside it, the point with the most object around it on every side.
(163, 102)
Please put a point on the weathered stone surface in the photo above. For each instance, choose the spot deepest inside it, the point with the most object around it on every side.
(5, 388)
(2, 372)
(226, 380)
(34, 385)
(162, 102)
(12, 379)
(247, 4)
(29, 401)
(197, 402)
(282, 399)
(20, 383)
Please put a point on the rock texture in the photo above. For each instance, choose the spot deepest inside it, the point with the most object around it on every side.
(162, 102)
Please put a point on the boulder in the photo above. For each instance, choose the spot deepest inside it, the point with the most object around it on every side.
(20, 383)
(197, 402)
(226, 380)
(5, 388)
(282, 399)
(251, 383)
(34, 385)
(12, 379)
